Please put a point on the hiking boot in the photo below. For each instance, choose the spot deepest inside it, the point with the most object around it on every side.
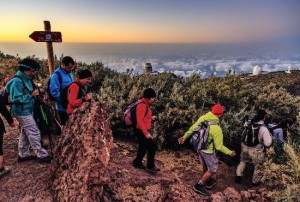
(139, 166)
(3, 172)
(210, 183)
(255, 184)
(238, 179)
(27, 158)
(153, 170)
(200, 189)
(46, 159)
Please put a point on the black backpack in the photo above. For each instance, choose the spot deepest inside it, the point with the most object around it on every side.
(64, 94)
(271, 129)
(250, 135)
(48, 85)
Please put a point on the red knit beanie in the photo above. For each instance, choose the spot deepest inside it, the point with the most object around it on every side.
(217, 110)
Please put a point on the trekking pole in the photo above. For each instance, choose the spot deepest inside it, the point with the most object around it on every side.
(48, 131)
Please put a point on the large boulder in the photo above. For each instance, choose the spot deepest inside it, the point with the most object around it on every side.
(82, 155)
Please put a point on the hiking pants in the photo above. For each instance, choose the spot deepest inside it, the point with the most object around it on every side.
(249, 154)
(278, 147)
(63, 117)
(2, 131)
(30, 135)
(145, 146)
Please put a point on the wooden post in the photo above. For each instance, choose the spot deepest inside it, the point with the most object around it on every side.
(47, 27)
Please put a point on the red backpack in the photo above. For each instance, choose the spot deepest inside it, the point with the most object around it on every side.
(3, 92)
(129, 117)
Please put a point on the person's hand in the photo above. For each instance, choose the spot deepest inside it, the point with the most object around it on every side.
(13, 124)
(148, 136)
(35, 92)
(154, 118)
(181, 140)
(233, 153)
(88, 96)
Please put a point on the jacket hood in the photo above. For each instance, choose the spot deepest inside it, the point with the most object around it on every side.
(209, 116)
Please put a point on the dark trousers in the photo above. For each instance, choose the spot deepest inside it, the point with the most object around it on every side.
(63, 117)
(145, 146)
(2, 131)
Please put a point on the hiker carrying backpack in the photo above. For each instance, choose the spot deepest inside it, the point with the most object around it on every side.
(211, 139)
(77, 92)
(56, 86)
(255, 137)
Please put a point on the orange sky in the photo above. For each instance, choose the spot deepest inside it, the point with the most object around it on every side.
(156, 21)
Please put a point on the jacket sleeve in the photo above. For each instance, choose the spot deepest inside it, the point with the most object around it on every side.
(17, 94)
(73, 91)
(140, 115)
(193, 127)
(217, 136)
(55, 87)
(4, 111)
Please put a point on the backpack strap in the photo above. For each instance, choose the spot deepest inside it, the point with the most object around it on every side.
(17, 76)
(209, 124)
(24, 86)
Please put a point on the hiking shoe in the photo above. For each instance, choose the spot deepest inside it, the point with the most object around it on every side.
(153, 170)
(4, 172)
(210, 183)
(200, 189)
(139, 166)
(255, 184)
(238, 179)
(46, 159)
(27, 158)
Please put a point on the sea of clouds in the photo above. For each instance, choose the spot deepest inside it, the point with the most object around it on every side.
(180, 59)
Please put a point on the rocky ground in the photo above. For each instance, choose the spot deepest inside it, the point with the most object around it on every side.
(32, 181)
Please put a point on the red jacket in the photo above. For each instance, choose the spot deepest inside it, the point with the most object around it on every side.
(73, 99)
(143, 121)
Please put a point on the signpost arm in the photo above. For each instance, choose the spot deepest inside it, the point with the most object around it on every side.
(47, 27)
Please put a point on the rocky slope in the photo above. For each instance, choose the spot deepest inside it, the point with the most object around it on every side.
(88, 167)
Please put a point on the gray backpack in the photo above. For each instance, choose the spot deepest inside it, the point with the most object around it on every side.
(199, 139)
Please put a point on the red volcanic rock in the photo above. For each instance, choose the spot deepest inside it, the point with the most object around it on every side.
(82, 155)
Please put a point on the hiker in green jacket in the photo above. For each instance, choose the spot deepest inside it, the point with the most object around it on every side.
(208, 156)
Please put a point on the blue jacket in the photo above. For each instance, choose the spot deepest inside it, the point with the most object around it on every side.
(56, 87)
(20, 95)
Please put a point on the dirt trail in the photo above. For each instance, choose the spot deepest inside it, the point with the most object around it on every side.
(30, 181)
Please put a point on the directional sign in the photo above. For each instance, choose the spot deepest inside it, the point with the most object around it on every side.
(42, 36)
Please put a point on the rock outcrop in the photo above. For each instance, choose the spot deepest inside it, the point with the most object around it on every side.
(82, 155)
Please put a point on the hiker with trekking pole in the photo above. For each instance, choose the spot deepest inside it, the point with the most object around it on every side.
(22, 94)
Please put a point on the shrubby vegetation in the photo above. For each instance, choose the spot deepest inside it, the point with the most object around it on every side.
(180, 101)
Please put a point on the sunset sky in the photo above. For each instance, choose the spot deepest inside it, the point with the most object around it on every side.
(162, 21)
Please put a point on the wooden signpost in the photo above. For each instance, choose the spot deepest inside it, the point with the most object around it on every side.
(48, 37)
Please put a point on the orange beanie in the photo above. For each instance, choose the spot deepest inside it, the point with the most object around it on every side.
(217, 110)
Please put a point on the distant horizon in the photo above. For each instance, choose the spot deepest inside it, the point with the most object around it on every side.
(181, 59)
